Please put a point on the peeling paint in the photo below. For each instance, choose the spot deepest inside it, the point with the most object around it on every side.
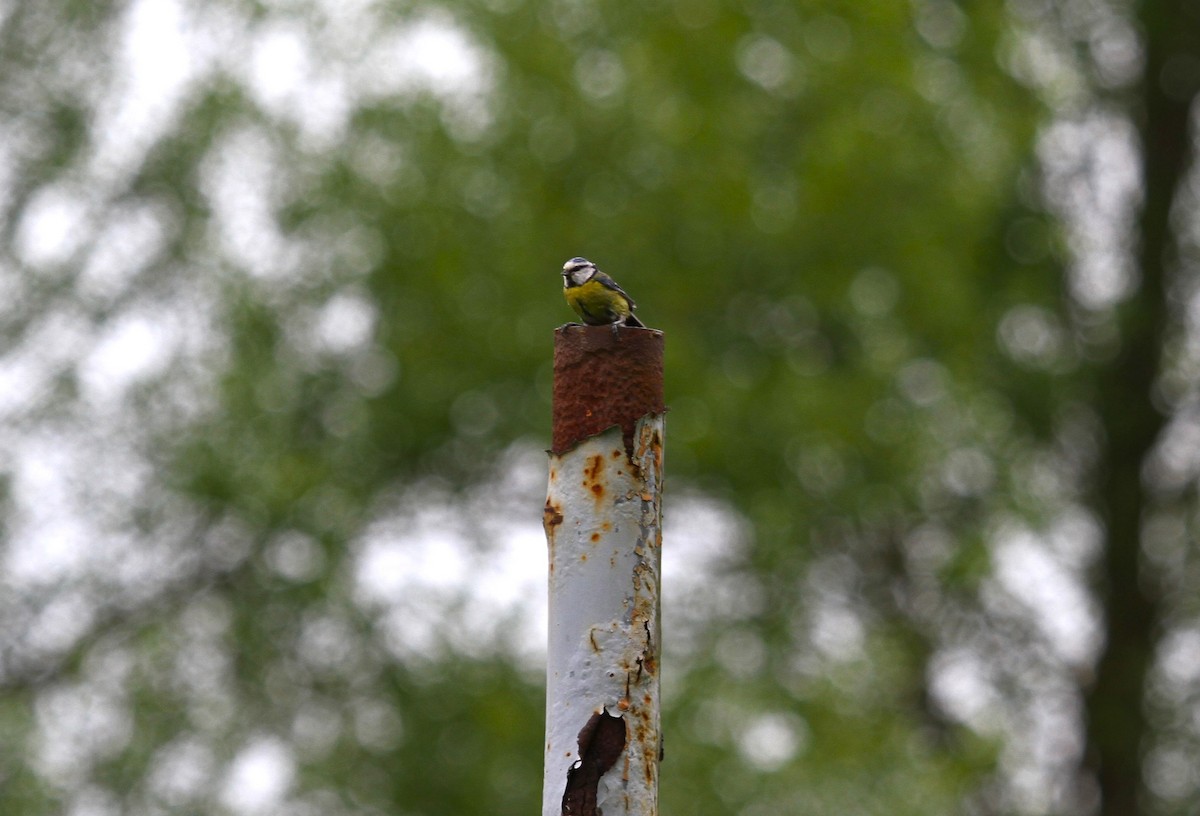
(601, 742)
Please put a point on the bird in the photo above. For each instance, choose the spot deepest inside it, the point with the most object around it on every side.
(596, 297)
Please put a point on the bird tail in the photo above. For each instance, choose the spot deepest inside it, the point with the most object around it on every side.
(633, 321)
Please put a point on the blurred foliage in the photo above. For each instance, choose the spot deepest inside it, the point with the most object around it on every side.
(328, 237)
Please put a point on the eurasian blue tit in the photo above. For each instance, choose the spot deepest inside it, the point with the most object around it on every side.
(596, 297)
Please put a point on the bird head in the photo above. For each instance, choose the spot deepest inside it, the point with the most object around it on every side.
(577, 271)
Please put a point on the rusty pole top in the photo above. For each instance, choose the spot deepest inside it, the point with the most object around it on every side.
(604, 378)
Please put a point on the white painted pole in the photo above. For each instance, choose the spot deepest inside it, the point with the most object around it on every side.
(603, 521)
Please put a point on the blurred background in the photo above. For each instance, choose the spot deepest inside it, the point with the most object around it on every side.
(278, 282)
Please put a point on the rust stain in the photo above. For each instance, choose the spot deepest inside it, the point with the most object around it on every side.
(594, 468)
(593, 476)
(650, 747)
(551, 517)
(650, 443)
(649, 663)
(595, 537)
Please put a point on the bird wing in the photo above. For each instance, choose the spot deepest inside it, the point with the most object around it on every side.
(612, 284)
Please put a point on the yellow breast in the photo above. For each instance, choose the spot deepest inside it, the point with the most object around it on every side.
(596, 303)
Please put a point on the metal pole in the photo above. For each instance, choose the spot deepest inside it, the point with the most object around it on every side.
(603, 521)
